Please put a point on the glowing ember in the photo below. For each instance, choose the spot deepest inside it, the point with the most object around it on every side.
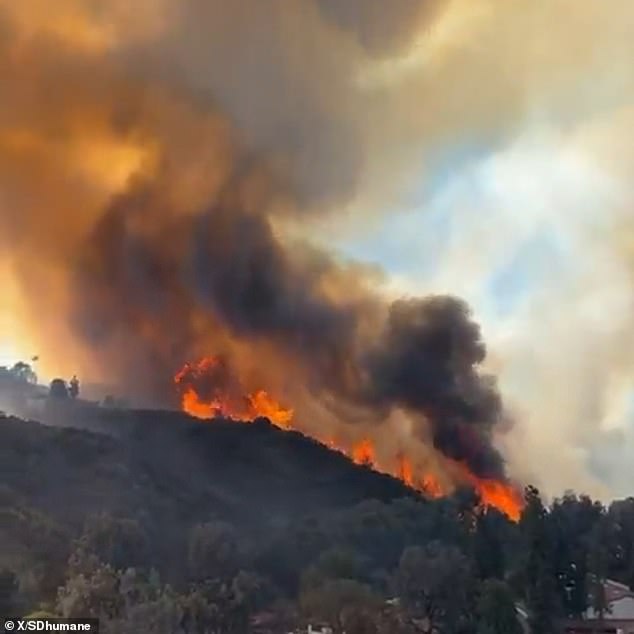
(363, 453)
(331, 443)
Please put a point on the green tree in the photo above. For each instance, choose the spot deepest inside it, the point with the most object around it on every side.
(216, 606)
(598, 565)
(621, 516)
(213, 552)
(121, 543)
(542, 603)
(436, 585)
(145, 606)
(572, 520)
(94, 593)
(345, 605)
(496, 613)
(488, 547)
(334, 563)
(23, 373)
(539, 584)
(160, 614)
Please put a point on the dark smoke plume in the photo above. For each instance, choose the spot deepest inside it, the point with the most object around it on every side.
(150, 284)
(427, 360)
(229, 119)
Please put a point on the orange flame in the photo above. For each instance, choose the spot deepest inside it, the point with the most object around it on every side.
(493, 493)
(405, 471)
(259, 403)
(430, 485)
(195, 407)
(502, 496)
(363, 453)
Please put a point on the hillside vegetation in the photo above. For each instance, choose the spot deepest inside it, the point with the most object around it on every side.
(223, 527)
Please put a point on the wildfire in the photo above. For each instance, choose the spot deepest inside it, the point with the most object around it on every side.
(195, 407)
(261, 404)
(405, 471)
(208, 390)
(363, 453)
(504, 497)
(430, 485)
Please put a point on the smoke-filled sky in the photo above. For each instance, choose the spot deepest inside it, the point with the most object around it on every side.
(356, 151)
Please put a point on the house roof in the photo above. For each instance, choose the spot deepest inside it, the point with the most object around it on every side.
(615, 591)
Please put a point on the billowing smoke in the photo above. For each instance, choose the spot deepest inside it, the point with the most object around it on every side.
(230, 118)
(147, 278)
(157, 167)
(427, 360)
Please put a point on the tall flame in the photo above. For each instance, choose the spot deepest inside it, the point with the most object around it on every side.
(192, 404)
(502, 496)
(254, 405)
(405, 471)
(430, 485)
(218, 402)
(262, 404)
(363, 453)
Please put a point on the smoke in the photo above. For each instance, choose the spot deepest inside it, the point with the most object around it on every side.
(147, 176)
(428, 360)
(174, 179)
(147, 276)
(527, 214)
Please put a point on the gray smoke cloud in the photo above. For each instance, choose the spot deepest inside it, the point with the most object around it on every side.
(162, 169)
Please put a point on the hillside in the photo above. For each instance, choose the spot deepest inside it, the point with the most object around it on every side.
(167, 473)
(153, 512)
(169, 465)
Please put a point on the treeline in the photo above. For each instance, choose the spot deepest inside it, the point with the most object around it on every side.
(399, 567)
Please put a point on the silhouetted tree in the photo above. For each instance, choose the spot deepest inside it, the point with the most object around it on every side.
(58, 389)
(435, 584)
(121, 543)
(572, 520)
(73, 387)
(335, 563)
(488, 547)
(345, 605)
(145, 606)
(93, 593)
(540, 587)
(621, 518)
(496, 613)
(213, 551)
(23, 372)
(598, 564)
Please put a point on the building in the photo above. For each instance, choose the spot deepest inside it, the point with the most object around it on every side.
(618, 618)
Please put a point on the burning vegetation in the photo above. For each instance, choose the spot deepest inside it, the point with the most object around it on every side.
(176, 218)
(209, 390)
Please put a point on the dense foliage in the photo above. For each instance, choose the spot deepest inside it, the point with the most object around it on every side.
(149, 556)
